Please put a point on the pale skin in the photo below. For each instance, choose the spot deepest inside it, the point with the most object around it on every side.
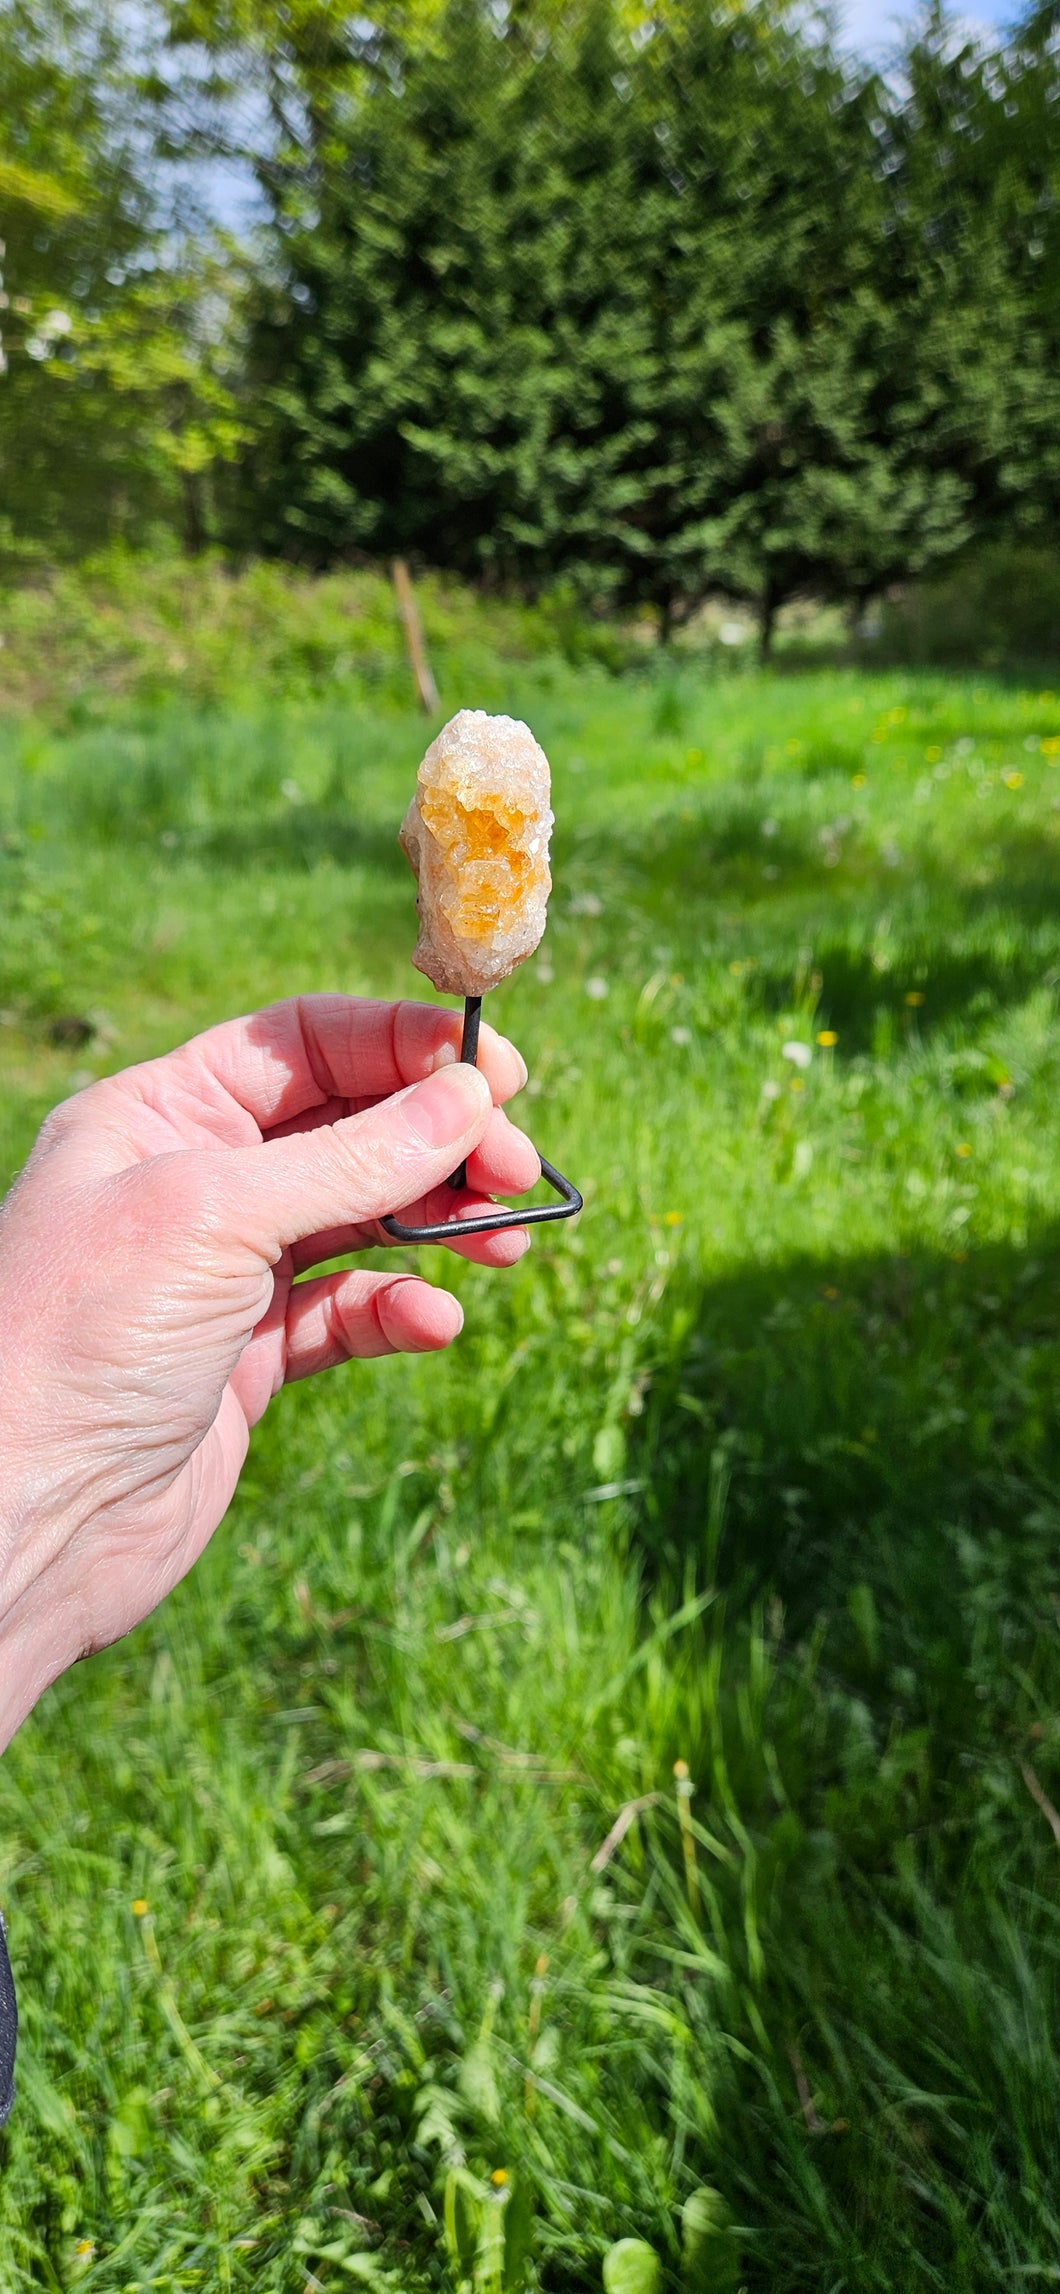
(148, 1303)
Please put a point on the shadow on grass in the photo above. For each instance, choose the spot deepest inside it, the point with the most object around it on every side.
(887, 1434)
(864, 1458)
(301, 837)
(917, 945)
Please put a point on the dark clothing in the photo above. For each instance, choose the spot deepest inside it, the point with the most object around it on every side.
(8, 2031)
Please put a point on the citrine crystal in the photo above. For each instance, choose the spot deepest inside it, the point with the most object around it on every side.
(476, 834)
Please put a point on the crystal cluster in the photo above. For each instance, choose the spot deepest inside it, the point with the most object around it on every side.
(476, 834)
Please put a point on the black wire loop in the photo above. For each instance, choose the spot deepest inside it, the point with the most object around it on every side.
(488, 1222)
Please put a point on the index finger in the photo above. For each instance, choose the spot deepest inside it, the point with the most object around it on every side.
(278, 1063)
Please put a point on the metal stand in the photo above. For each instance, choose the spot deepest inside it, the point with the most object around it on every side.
(490, 1222)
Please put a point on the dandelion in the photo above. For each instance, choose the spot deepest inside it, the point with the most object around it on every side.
(858, 780)
(596, 989)
(1051, 746)
(674, 1218)
(680, 1035)
(799, 1054)
(140, 1907)
(770, 1089)
(963, 1149)
(1013, 780)
(914, 998)
(933, 756)
(499, 2177)
(827, 1037)
(797, 1083)
(84, 2247)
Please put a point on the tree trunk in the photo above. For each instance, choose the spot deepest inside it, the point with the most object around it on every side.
(194, 516)
(767, 622)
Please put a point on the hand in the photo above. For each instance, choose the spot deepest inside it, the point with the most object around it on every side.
(148, 1309)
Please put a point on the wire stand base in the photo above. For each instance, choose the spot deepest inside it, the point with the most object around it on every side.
(490, 1222)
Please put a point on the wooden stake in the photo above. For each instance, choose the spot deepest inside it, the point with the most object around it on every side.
(413, 628)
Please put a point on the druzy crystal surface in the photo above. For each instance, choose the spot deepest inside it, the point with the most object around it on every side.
(477, 834)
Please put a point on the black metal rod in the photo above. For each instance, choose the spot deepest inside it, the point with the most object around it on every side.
(472, 1024)
(468, 1058)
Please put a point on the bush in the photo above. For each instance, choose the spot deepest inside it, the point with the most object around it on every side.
(998, 607)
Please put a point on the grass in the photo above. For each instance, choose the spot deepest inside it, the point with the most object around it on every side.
(756, 1471)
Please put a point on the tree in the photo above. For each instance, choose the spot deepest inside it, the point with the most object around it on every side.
(555, 300)
(73, 216)
(970, 269)
(116, 400)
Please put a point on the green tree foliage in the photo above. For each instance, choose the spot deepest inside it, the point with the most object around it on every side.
(650, 305)
(971, 267)
(700, 311)
(114, 403)
(72, 216)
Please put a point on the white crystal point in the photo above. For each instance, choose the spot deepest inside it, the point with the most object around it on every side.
(476, 834)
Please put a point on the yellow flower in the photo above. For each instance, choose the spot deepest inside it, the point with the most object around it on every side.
(915, 996)
(963, 1149)
(1013, 780)
(828, 1290)
(827, 1036)
(933, 756)
(85, 2246)
(499, 2177)
(1051, 746)
(140, 1907)
(674, 1218)
(858, 780)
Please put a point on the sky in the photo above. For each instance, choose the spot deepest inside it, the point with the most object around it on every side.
(871, 27)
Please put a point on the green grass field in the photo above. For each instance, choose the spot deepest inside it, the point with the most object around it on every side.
(442, 1980)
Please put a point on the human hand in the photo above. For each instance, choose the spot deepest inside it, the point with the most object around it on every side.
(148, 1308)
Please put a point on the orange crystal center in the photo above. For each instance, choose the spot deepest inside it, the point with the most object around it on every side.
(491, 872)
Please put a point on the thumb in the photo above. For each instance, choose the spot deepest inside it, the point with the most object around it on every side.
(368, 1164)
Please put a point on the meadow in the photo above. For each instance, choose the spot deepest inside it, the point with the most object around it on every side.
(599, 1786)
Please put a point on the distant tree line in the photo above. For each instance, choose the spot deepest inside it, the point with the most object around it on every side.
(654, 304)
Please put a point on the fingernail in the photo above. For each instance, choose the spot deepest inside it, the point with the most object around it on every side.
(446, 1105)
(523, 1069)
(445, 1056)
